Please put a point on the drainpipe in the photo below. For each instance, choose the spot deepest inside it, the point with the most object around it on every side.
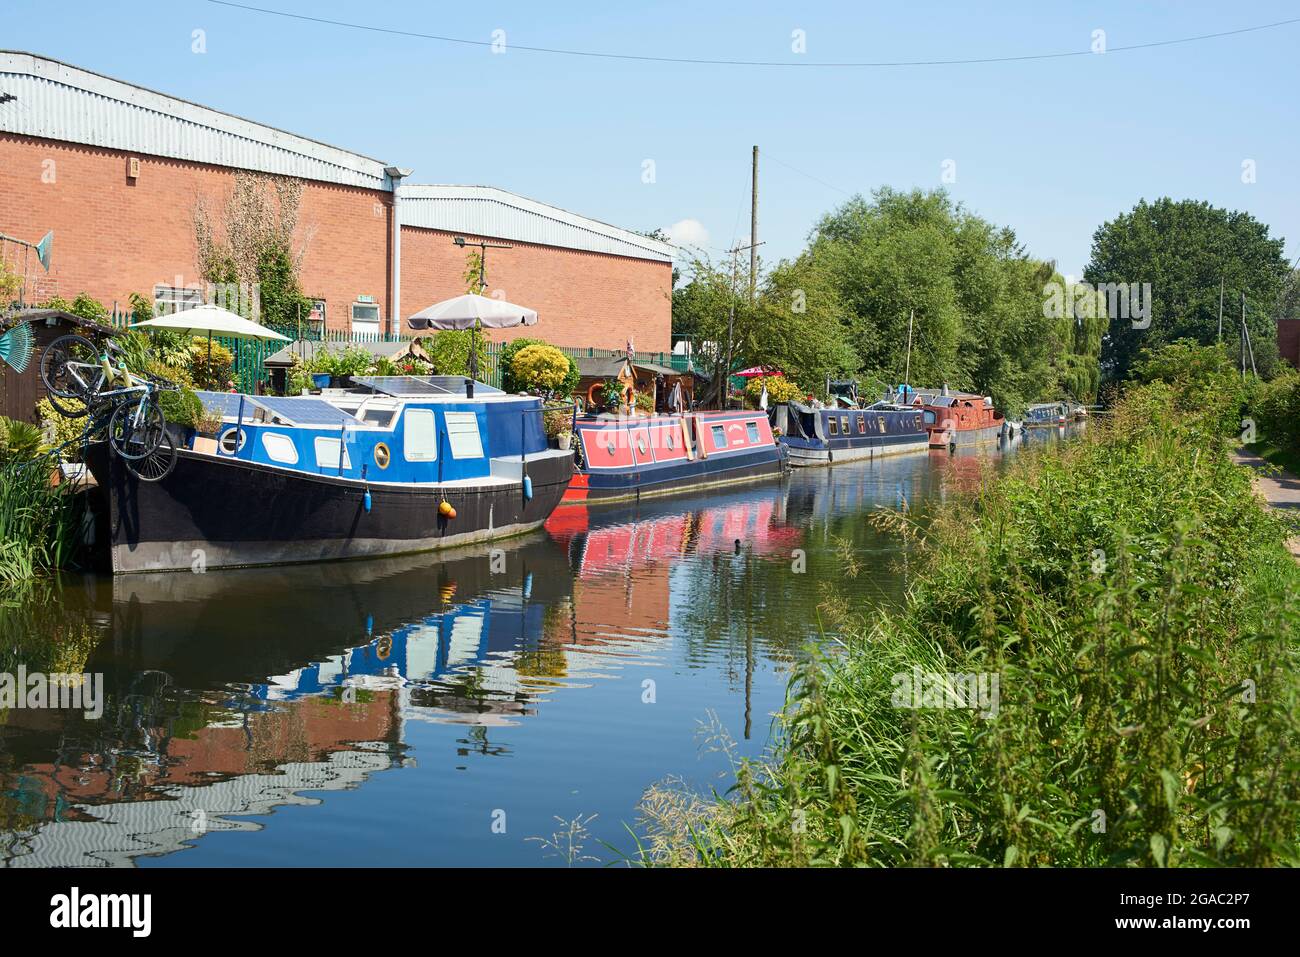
(395, 176)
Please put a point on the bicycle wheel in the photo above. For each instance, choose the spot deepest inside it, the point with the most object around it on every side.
(155, 466)
(62, 369)
(136, 428)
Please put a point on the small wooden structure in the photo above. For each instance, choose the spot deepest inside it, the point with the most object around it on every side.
(19, 392)
(594, 371)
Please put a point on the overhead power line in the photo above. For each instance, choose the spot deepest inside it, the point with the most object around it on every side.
(594, 54)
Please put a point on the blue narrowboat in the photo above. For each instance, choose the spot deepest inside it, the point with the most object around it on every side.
(397, 464)
(1047, 414)
(815, 436)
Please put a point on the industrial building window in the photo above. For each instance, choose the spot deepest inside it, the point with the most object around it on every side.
(419, 438)
(365, 317)
(170, 299)
(462, 435)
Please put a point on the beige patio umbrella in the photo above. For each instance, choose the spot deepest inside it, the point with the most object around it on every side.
(472, 311)
(214, 321)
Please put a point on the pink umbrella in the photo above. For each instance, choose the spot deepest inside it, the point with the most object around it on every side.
(754, 371)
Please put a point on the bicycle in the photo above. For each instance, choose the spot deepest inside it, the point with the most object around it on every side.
(82, 380)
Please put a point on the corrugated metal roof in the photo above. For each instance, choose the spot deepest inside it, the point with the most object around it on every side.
(61, 102)
(488, 211)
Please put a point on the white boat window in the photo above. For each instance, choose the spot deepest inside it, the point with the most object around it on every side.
(280, 448)
(419, 437)
(327, 453)
(719, 436)
(751, 431)
(462, 435)
(380, 417)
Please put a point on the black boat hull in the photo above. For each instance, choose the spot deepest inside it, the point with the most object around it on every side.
(225, 513)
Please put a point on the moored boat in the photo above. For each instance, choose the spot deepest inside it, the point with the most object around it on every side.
(959, 418)
(627, 457)
(1047, 414)
(821, 436)
(400, 464)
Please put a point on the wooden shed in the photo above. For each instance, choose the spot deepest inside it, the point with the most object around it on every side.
(646, 377)
(19, 392)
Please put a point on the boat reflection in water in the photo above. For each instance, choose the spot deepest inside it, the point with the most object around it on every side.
(233, 693)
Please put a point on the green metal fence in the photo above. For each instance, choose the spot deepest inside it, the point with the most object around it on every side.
(251, 354)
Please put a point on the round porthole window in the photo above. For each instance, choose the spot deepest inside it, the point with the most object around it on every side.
(231, 441)
(382, 455)
(640, 444)
(668, 440)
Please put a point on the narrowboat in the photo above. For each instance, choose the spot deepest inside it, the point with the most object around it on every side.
(1046, 414)
(630, 457)
(821, 436)
(959, 418)
(397, 464)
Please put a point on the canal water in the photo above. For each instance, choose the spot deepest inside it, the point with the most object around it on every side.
(505, 705)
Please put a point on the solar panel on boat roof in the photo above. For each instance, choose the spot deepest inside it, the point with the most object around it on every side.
(306, 411)
(222, 403)
(409, 385)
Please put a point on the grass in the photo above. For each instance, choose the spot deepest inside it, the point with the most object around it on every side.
(38, 521)
(1132, 599)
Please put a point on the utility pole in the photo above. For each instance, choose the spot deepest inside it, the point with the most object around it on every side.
(1250, 348)
(753, 228)
(907, 372)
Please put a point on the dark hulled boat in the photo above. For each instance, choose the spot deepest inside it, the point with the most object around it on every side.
(409, 465)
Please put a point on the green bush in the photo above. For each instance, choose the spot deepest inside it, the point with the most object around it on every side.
(539, 368)
(20, 441)
(209, 369)
(449, 353)
(180, 407)
(61, 432)
(1275, 407)
(510, 383)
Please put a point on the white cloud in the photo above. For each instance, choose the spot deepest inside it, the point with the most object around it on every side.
(688, 233)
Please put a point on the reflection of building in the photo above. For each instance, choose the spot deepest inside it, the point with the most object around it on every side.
(124, 801)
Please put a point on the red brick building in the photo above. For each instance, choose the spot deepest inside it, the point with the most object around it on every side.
(116, 171)
(1288, 340)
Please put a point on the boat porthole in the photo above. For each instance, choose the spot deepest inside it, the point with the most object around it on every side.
(609, 447)
(669, 440)
(640, 444)
(382, 455)
(231, 440)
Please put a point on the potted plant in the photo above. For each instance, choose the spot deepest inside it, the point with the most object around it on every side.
(565, 440)
(181, 409)
(612, 394)
(206, 429)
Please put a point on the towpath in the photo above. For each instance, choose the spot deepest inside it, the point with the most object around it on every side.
(1278, 489)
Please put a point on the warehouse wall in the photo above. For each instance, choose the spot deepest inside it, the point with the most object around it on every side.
(582, 298)
(114, 235)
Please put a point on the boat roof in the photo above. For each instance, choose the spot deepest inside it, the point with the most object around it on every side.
(291, 410)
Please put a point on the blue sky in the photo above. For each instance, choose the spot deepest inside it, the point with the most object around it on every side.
(1052, 148)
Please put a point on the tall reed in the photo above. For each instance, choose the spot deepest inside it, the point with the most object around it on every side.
(39, 522)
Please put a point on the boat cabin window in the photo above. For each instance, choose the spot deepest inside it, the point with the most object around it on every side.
(231, 441)
(419, 435)
(328, 452)
(834, 424)
(380, 417)
(280, 448)
(862, 425)
(462, 435)
(844, 424)
(751, 431)
(719, 436)
(880, 420)
(929, 417)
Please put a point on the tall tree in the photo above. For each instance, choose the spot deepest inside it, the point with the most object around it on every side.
(1183, 248)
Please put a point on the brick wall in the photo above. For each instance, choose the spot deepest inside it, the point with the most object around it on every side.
(114, 236)
(581, 298)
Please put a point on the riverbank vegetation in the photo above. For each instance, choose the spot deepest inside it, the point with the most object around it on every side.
(1125, 604)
